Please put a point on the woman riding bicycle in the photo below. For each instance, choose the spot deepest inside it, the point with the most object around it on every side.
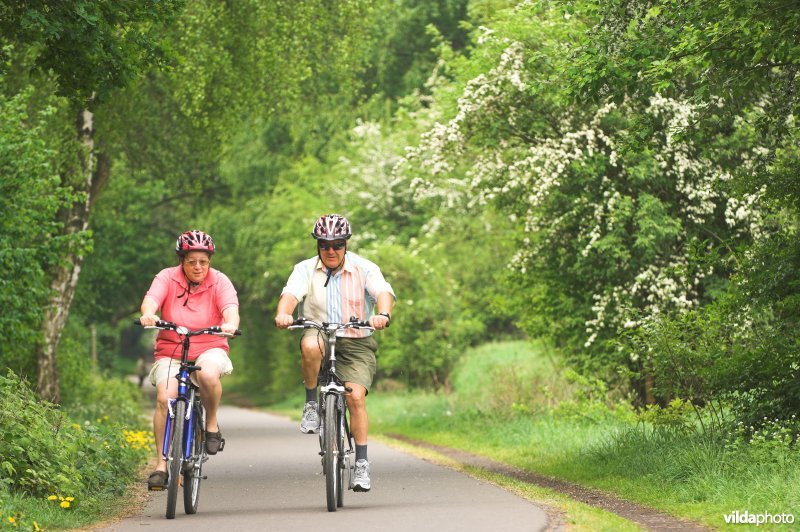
(335, 285)
(194, 295)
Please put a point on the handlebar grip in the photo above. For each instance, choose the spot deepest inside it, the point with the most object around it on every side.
(159, 323)
(299, 321)
(216, 329)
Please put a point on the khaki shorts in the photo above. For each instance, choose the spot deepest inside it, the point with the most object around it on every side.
(355, 359)
(215, 359)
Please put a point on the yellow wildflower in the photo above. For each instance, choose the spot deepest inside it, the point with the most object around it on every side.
(65, 504)
(12, 520)
(52, 498)
(70, 499)
(36, 526)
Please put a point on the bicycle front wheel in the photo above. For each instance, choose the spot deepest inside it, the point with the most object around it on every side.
(193, 471)
(341, 463)
(330, 452)
(175, 458)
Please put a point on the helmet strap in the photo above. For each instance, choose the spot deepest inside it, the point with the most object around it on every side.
(190, 284)
(331, 271)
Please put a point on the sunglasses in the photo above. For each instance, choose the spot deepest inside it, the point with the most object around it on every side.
(325, 246)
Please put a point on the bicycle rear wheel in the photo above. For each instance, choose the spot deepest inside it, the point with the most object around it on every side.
(175, 458)
(193, 472)
(330, 452)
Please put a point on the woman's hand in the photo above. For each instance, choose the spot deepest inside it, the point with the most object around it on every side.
(148, 320)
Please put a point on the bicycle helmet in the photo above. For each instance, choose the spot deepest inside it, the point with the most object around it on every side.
(331, 227)
(194, 240)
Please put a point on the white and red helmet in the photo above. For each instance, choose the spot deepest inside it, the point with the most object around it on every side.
(194, 240)
(331, 227)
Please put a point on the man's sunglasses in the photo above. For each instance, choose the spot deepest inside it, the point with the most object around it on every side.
(325, 246)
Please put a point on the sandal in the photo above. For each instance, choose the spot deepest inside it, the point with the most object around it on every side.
(157, 480)
(214, 442)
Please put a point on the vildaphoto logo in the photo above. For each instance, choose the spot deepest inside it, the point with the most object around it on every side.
(746, 518)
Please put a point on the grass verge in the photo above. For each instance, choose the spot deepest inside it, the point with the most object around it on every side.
(497, 410)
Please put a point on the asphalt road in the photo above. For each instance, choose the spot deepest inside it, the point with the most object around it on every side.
(269, 478)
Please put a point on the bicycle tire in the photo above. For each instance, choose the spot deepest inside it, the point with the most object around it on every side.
(193, 473)
(340, 459)
(330, 452)
(175, 458)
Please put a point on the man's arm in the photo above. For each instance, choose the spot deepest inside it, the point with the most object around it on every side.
(286, 306)
(385, 304)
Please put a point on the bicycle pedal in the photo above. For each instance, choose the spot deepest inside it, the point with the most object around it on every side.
(221, 445)
(157, 488)
(205, 477)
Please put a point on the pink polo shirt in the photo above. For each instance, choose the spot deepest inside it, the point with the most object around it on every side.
(202, 308)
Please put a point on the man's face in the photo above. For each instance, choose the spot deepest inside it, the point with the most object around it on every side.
(332, 252)
(195, 265)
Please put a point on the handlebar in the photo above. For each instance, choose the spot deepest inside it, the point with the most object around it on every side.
(354, 323)
(170, 326)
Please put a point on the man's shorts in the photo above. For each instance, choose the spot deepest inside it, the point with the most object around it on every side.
(215, 359)
(355, 359)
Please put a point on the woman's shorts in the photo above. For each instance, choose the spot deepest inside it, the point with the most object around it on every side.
(355, 359)
(215, 359)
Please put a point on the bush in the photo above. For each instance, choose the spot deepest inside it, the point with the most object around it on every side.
(45, 453)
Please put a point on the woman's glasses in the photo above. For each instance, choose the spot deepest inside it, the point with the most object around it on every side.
(202, 262)
(325, 246)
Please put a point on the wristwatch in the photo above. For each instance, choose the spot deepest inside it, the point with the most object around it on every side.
(388, 316)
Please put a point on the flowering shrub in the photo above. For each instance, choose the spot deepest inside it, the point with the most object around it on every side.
(613, 204)
(43, 452)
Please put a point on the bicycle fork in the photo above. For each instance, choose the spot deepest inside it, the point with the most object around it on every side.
(187, 438)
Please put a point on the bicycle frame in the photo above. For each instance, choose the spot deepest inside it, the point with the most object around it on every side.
(335, 458)
(187, 392)
(190, 449)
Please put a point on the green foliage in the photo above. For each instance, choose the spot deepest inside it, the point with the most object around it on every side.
(93, 47)
(30, 196)
(44, 452)
(403, 57)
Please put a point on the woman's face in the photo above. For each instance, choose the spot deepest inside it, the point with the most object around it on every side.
(195, 265)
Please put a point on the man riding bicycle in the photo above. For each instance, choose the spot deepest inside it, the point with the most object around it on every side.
(195, 296)
(333, 286)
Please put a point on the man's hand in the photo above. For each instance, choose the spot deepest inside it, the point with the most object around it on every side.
(379, 321)
(148, 320)
(282, 321)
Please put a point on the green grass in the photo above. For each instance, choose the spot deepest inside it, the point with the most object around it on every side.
(505, 394)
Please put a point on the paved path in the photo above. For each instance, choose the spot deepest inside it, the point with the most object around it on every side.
(269, 478)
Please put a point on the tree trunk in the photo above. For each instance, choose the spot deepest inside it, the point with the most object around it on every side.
(649, 396)
(94, 172)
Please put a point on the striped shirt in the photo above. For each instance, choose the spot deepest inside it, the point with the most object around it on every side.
(352, 291)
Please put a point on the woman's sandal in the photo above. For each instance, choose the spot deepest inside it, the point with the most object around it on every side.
(214, 442)
(157, 480)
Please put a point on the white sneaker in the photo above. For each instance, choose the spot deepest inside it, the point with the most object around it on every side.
(310, 422)
(361, 476)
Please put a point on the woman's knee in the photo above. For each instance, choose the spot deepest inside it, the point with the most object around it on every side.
(162, 400)
(208, 380)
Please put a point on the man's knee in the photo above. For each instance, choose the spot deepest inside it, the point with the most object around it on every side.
(310, 350)
(357, 397)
